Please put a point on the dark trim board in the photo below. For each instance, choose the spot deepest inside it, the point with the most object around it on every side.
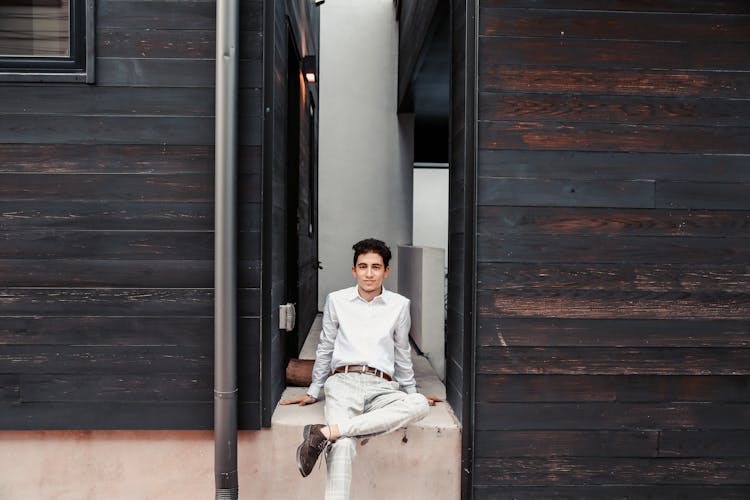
(267, 210)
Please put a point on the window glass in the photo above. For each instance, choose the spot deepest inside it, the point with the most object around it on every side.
(35, 28)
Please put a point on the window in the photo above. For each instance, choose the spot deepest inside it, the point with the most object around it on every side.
(47, 40)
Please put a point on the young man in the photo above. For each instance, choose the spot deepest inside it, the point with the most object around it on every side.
(363, 367)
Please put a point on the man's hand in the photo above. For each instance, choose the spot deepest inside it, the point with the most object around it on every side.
(433, 399)
(301, 400)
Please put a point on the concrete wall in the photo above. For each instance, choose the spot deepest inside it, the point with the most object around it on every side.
(365, 148)
(167, 465)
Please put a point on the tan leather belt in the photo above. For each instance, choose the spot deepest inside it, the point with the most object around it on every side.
(362, 369)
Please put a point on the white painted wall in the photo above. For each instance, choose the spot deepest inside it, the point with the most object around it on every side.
(365, 147)
(431, 208)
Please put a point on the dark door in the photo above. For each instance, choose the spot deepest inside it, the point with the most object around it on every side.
(301, 210)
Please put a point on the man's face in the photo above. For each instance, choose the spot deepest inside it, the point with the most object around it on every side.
(370, 272)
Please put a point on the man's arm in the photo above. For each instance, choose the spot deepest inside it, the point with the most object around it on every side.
(403, 369)
(324, 353)
(322, 366)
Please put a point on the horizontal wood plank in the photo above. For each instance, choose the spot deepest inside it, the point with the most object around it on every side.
(607, 492)
(499, 444)
(613, 361)
(667, 6)
(568, 193)
(495, 74)
(531, 135)
(127, 245)
(712, 195)
(704, 443)
(69, 415)
(10, 388)
(128, 101)
(182, 386)
(604, 304)
(684, 444)
(179, 188)
(98, 359)
(493, 247)
(163, 14)
(171, 43)
(614, 109)
(171, 72)
(113, 216)
(593, 165)
(77, 129)
(612, 388)
(564, 24)
(493, 330)
(576, 471)
(87, 415)
(66, 302)
(612, 416)
(615, 54)
(121, 273)
(651, 277)
(109, 158)
(95, 215)
(130, 330)
(588, 221)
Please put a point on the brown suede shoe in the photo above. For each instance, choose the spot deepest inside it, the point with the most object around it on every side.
(313, 444)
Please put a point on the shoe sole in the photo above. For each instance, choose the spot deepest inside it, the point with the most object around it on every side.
(305, 435)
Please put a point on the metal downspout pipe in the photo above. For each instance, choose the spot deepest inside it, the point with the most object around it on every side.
(225, 252)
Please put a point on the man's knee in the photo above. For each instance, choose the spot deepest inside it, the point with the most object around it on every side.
(419, 404)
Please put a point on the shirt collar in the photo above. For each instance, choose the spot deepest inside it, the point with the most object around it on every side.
(381, 298)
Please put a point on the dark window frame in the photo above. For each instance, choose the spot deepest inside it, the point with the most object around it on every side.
(78, 67)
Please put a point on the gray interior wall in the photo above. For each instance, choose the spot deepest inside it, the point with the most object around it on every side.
(365, 156)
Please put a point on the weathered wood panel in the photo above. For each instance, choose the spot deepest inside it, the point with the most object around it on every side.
(565, 471)
(606, 492)
(613, 320)
(609, 165)
(189, 331)
(612, 416)
(613, 361)
(614, 81)
(106, 227)
(670, 6)
(595, 249)
(626, 332)
(499, 444)
(612, 24)
(623, 388)
(590, 221)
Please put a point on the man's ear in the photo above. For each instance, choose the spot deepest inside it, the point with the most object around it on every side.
(354, 271)
(387, 271)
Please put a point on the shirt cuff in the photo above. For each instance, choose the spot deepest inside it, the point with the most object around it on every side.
(314, 391)
(412, 389)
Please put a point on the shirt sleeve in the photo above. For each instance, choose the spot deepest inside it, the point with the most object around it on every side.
(324, 353)
(403, 369)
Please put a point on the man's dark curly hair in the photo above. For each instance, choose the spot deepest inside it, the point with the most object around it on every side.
(372, 245)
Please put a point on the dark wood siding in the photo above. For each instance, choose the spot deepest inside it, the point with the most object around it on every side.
(613, 356)
(106, 228)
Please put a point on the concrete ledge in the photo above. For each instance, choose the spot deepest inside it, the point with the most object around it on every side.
(422, 461)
